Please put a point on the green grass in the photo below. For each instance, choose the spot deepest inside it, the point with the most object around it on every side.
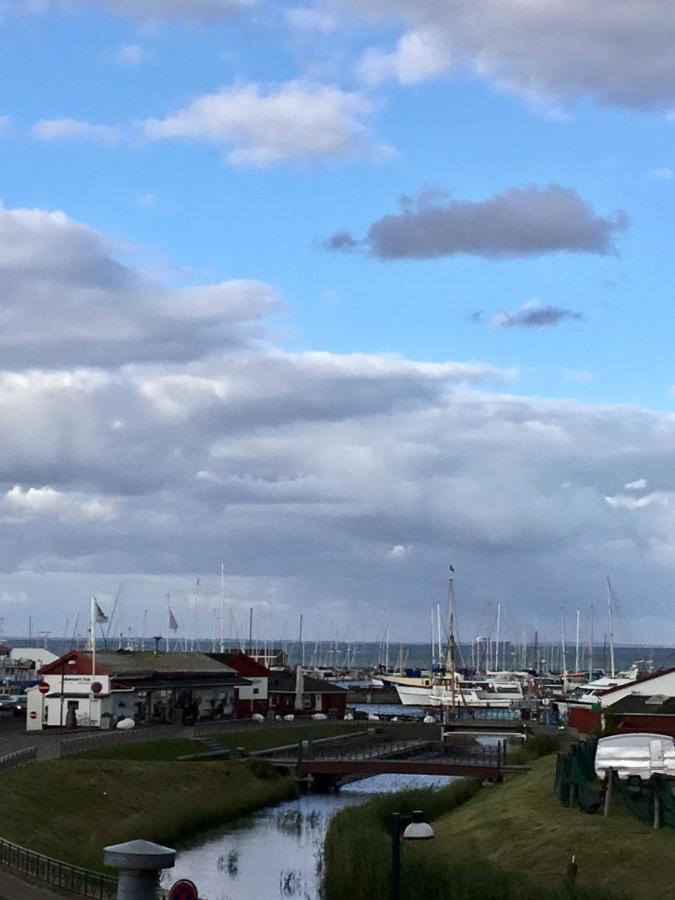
(521, 827)
(472, 855)
(267, 738)
(148, 751)
(72, 808)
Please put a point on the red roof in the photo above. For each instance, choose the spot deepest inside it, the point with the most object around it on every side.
(82, 665)
(246, 666)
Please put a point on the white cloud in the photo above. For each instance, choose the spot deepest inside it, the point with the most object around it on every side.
(577, 376)
(159, 10)
(638, 485)
(5, 125)
(305, 472)
(624, 501)
(47, 503)
(149, 201)
(663, 173)
(67, 129)
(309, 20)
(292, 122)
(130, 54)
(419, 55)
(546, 52)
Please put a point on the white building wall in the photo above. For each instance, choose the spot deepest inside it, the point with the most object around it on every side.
(659, 684)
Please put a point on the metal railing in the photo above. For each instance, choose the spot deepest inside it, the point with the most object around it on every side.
(71, 746)
(19, 758)
(56, 873)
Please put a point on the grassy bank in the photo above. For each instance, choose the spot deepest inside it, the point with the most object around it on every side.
(72, 808)
(147, 751)
(357, 856)
(508, 842)
(521, 827)
(266, 738)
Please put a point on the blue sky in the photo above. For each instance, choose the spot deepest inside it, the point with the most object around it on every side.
(110, 109)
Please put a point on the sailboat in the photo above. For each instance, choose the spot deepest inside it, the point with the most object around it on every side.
(451, 689)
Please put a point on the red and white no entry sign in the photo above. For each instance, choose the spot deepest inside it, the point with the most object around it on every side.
(33, 714)
(183, 890)
(43, 687)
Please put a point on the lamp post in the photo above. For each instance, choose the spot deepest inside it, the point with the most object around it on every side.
(64, 663)
(414, 829)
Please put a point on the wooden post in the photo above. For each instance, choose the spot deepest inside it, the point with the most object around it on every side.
(573, 796)
(657, 807)
(609, 781)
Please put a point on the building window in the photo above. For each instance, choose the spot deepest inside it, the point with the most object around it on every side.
(256, 691)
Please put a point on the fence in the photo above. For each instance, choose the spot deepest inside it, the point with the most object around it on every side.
(56, 873)
(20, 758)
(71, 746)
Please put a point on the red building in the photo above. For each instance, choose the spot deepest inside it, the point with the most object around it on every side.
(252, 697)
(311, 696)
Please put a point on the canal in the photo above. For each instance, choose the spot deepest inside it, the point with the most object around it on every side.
(277, 852)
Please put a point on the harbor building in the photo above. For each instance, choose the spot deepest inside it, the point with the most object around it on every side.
(298, 693)
(151, 688)
(252, 697)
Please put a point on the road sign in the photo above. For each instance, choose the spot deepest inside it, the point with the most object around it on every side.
(43, 687)
(183, 890)
(33, 714)
(96, 687)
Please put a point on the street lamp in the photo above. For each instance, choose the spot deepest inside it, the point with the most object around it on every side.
(64, 663)
(415, 829)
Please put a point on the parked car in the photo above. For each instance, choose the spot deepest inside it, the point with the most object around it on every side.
(635, 757)
(14, 703)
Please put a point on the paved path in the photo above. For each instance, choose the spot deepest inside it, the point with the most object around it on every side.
(13, 888)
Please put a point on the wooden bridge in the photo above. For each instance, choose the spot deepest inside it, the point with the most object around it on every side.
(334, 761)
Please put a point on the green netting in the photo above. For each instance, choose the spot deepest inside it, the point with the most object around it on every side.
(576, 770)
(640, 800)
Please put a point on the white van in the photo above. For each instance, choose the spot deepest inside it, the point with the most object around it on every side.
(635, 756)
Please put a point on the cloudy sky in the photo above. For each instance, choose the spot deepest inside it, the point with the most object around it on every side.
(335, 294)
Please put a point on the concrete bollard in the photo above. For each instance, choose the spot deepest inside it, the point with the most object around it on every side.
(139, 864)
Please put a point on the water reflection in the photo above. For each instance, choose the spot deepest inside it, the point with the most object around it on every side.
(278, 852)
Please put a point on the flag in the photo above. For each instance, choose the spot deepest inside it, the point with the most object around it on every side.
(451, 567)
(173, 624)
(99, 616)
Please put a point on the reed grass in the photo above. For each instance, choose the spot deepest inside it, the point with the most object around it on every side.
(357, 862)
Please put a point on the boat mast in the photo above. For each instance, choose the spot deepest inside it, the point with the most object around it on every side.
(450, 661)
(610, 613)
(438, 627)
(433, 642)
(576, 655)
(222, 607)
(499, 617)
(562, 647)
(590, 648)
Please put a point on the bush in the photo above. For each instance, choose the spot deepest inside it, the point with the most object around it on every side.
(262, 768)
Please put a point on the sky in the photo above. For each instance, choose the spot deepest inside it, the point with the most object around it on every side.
(335, 295)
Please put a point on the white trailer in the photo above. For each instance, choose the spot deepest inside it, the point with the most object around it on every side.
(635, 756)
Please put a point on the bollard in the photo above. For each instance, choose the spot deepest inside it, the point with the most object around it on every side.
(139, 864)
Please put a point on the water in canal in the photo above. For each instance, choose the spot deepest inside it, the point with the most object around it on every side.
(276, 853)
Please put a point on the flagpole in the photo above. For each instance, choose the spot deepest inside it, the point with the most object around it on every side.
(93, 637)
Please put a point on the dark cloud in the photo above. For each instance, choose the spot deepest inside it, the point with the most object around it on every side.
(546, 52)
(517, 223)
(342, 241)
(303, 473)
(536, 315)
(66, 300)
